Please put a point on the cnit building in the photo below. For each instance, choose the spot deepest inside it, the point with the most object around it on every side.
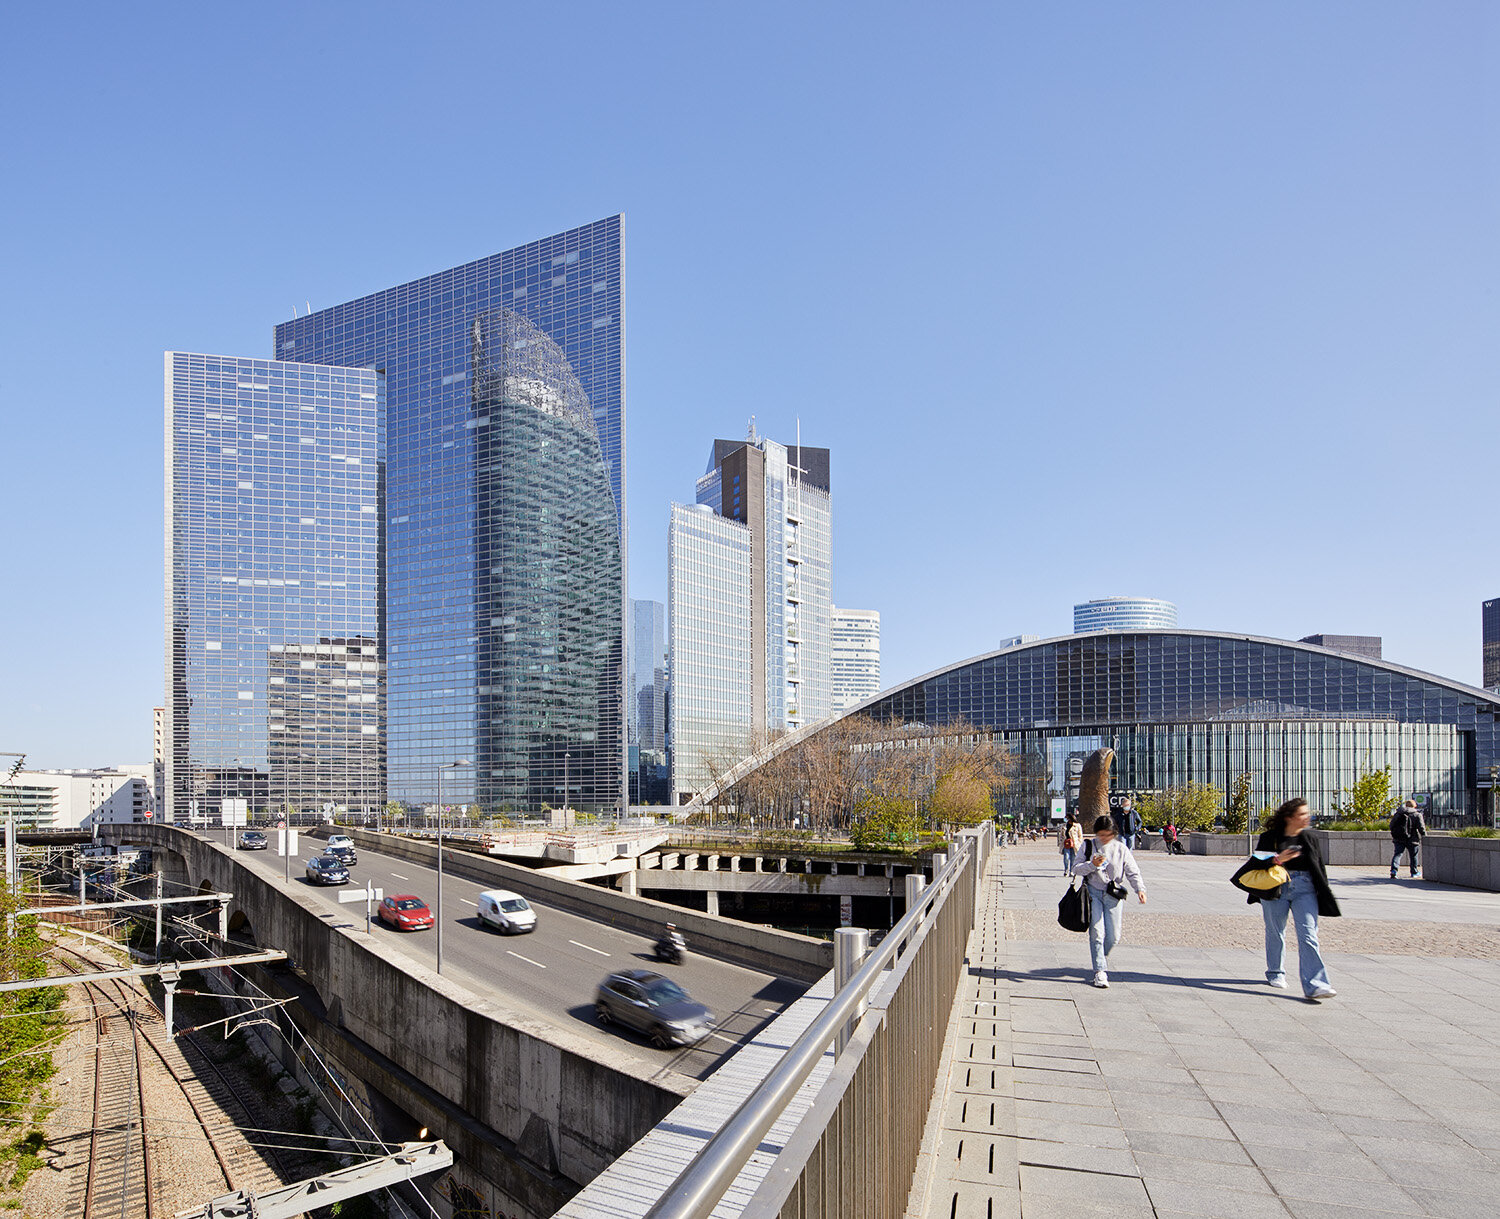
(398, 547)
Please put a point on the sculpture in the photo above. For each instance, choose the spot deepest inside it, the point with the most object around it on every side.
(1093, 786)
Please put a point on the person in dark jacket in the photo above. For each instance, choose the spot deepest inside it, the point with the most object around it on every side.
(1407, 831)
(1304, 897)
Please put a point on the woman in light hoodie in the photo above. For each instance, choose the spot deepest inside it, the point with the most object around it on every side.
(1109, 864)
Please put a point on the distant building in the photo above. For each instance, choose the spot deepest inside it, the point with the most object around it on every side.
(854, 637)
(1015, 641)
(648, 665)
(158, 756)
(758, 544)
(1355, 645)
(1490, 621)
(1124, 614)
(78, 799)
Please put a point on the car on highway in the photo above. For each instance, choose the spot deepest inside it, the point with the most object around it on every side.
(327, 870)
(346, 854)
(405, 912)
(506, 911)
(654, 1005)
(340, 840)
(253, 840)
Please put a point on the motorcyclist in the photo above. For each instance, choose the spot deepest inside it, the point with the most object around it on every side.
(671, 944)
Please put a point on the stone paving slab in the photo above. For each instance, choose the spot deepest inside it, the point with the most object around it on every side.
(1191, 1088)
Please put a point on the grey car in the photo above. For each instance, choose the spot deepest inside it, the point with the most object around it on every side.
(327, 870)
(654, 1005)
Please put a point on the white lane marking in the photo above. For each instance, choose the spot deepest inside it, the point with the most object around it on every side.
(600, 951)
(398, 876)
(467, 902)
(724, 1039)
(775, 1011)
(528, 960)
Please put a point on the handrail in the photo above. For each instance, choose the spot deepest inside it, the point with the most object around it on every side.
(700, 1186)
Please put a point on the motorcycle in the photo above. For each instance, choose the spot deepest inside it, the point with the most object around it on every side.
(671, 949)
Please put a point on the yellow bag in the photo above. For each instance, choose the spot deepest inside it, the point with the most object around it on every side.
(1265, 878)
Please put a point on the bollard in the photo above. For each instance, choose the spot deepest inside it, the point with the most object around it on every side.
(851, 945)
(916, 885)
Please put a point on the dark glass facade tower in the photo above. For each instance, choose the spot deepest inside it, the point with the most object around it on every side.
(1490, 625)
(449, 501)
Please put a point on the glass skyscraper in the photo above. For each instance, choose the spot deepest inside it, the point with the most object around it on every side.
(855, 656)
(1124, 614)
(503, 437)
(275, 693)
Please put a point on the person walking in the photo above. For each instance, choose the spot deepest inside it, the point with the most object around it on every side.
(1407, 831)
(1127, 823)
(1304, 897)
(1107, 867)
(1069, 839)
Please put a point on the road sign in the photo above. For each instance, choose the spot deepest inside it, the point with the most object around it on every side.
(358, 895)
(281, 842)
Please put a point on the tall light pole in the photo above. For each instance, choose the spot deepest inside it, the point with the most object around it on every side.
(567, 758)
(439, 918)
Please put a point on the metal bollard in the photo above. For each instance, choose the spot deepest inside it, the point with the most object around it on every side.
(851, 945)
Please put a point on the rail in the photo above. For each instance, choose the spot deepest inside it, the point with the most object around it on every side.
(708, 1176)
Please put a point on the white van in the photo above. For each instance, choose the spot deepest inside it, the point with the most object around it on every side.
(506, 911)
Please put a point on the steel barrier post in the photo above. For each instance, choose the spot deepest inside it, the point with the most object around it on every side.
(851, 945)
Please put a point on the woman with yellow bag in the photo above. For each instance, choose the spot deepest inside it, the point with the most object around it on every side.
(1285, 875)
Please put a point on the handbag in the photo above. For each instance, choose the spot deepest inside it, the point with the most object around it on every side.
(1073, 909)
(1116, 890)
(1253, 876)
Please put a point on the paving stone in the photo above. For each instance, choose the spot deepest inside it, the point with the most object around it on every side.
(1082, 1187)
(1182, 1168)
(1221, 1151)
(1207, 1197)
(1072, 1132)
(1341, 1191)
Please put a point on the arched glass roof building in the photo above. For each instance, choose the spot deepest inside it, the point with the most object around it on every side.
(1201, 706)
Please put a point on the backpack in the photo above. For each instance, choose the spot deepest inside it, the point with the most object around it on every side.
(1401, 826)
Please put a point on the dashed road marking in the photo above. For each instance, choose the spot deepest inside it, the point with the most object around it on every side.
(587, 948)
(398, 876)
(467, 902)
(528, 960)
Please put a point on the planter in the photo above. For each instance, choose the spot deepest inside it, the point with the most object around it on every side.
(1471, 862)
(1216, 844)
(1354, 848)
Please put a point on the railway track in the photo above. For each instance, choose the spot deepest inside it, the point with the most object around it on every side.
(120, 1182)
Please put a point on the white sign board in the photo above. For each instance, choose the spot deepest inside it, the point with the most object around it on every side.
(234, 812)
(360, 895)
(281, 843)
(1059, 809)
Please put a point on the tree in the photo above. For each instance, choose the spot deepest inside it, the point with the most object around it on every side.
(1193, 807)
(1237, 819)
(960, 798)
(883, 822)
(1370, 799)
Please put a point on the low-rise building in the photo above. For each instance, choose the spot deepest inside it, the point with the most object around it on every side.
(78, 799)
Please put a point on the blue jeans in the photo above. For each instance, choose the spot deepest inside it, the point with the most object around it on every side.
(1300, 900)
(1415, 848)
(1104, 926)
(1070, 857)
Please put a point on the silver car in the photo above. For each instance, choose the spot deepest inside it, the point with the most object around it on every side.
(653, 1005)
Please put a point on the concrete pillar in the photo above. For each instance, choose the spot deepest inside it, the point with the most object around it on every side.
(671, 859)
(915, 883)
(711, 864)
(861, 870)
(713, 901)
(629, 884)
(781, 864)
(690, 862)
(758, 862)
(734, 863)
(850, 947)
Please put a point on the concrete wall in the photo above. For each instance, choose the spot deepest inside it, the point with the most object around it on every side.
(1351, 848)
(1216, 844)
(777, 952)
(545, 1109)
(1472, 862)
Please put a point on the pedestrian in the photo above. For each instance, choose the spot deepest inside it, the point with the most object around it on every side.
(1407, 831)
(1127, 823)
(1107, 866)
(1069, 839)
(1304, 897)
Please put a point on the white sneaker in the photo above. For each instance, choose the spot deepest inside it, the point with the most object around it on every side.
(1101, 980)
(1326, 992)
(1278, 982)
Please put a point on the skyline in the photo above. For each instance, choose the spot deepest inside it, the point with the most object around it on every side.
(1238, 258)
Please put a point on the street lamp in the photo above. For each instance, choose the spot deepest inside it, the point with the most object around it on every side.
(449, 766)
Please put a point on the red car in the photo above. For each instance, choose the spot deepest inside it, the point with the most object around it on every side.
(405, 912)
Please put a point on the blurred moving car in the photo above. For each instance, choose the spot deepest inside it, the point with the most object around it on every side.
(654, 1005)
(506, 911)
(405, 912)
(327, 870)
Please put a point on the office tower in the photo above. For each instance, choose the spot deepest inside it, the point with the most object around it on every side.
(1124, 614)
(779, 499)
(1354, 645)
(158, 757)
(272, 507)
(854, 639)
(648, 663)
(1490, 625)
(503, 440)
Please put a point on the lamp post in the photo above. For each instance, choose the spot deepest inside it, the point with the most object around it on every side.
(567, 757)
(439, 919)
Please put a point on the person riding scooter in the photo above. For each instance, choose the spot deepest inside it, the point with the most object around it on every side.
(671, 947)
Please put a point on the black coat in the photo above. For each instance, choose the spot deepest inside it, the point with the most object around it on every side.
(1328, 906)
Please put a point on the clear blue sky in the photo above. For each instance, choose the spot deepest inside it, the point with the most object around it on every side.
(1195, 301)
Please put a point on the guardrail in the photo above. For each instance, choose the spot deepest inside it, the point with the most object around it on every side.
(857, 1148)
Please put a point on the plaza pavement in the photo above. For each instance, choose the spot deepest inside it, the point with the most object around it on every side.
(1189, 1087)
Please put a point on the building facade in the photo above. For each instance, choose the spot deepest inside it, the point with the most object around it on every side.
(78, 799)
(648, 668)
(1490, 628)
(522, 348)
(1355, 645)
(854, 641)
(273, 490)
(1196, 706)
(1124, 614)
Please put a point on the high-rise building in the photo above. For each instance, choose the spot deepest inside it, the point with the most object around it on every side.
(272, 504)
(1490, 624)
(1354, 645)
(1124, 614)
(158, 756)
(648, 664)
(503, 440)
(759, 537)
(854, 637)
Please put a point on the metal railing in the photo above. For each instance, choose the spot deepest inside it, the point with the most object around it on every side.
(701, 1185)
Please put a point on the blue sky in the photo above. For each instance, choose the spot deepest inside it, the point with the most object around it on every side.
(1178, 300)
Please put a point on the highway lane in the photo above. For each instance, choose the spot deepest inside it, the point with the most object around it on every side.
(551, 973)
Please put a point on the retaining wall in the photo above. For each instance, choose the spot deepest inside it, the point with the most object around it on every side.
(1472, 862)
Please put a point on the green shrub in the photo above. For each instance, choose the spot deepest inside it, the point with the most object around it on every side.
(1476, 831)
(1345, 823)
